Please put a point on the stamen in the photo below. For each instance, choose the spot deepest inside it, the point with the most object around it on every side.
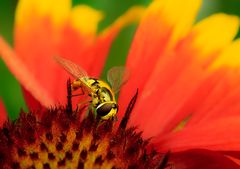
(69, 97)
(163, 162)
(126, 117)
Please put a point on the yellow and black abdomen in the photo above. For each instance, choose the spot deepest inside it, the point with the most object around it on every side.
(103, 98)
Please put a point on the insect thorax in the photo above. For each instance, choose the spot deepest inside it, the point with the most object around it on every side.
(102, 92)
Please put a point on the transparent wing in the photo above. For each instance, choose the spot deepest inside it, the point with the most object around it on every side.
(75, 70)
(117, 76)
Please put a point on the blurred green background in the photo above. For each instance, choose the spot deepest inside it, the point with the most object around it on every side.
(10, 91)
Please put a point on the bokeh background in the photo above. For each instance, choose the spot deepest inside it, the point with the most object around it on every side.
(10, 90)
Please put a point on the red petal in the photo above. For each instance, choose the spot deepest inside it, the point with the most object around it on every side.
(180, 80)
(152, 51)
(155, 36)
(36, 48)
(201, 159)
(23, 75)
(91, 52)
(223, 99)
(32, 103)
(3, 114)
(220, 135)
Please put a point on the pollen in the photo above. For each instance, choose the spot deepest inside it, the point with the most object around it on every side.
(59, 138)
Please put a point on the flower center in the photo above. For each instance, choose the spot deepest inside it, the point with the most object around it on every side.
(58, 138)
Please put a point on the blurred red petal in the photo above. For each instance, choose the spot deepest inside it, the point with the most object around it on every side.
(223, 99)
(23, 75)
(154, 36)
(93, 53)
(180, 80)
(219, 135)
(35, 47)
(32, 103)
(3, 113)
(201, 159)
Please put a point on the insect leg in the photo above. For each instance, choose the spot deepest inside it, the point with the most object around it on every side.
(79, 94)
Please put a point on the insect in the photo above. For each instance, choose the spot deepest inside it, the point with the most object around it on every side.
(102, 95)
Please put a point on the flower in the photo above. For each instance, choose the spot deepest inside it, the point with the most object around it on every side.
(187, 74)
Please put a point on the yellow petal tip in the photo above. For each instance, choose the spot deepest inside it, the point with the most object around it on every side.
(132, 15)
(85, 19)
(176, 15)
(230, 57)
(30, 11)
(215, 32)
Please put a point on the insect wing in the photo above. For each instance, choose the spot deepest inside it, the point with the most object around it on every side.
(75, 70)
(117, 76)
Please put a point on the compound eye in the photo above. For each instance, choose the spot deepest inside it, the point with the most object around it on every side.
(105, 109)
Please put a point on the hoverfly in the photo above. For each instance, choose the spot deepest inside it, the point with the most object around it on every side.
(102, 95)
